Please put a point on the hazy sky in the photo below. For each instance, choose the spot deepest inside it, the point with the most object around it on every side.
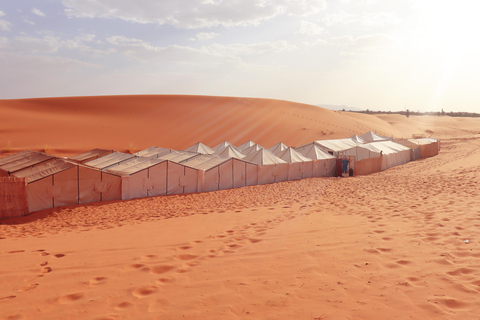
(376, 54)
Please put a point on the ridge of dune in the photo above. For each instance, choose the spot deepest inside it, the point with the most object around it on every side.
(70, 125)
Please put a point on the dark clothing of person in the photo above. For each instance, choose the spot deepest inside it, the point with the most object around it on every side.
(345, 163)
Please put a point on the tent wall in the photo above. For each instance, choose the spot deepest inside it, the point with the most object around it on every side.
(281, 172)
(266, 174)
(368, 166)
(146, 183)
(65, 188)
(325, 168)
(296, 170)
(252, 174)
(13, 197)
(89, 181)
(156, 184)
(309, 169)
(226, 175)
(430, 150)
(181, 179)
(239, 173)
(112, 187)
(39, 194)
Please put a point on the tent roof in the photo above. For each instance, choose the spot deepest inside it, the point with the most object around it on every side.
(177, 156)
(222, 146)
(358, 139)
(263, 157)
(153, 152)
(279, 147)
(315, 153)
(44, 170)
(109, 160)
(338, 144)
(290, 155)
(372, 137)
(204, 161)
(254, 148)
(246, 145)
(23, 160)
(409, 144)
(423, 141)
(89, 154)
(200, 148)
(231, 152)
(133, 166)
(387, 147)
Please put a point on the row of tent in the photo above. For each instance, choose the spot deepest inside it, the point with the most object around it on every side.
(102, 175)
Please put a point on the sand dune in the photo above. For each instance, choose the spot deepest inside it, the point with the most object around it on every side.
(385, 246)
(67, 126)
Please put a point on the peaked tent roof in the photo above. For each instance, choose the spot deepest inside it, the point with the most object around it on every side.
(23, 160)
(109, 160)
(178, 156)
(246, 145)
(222, 146)
(200, 148)
(338, 144)
(358, 139)
(372, 137)
(279, 147)
(423, 141)
(254, 148)
(263, 157)
(290, 155)
(44, 170)
(315, 153)
(387, 147)
(153, 152)
(90, 154)
(204, 162)
(231, 152)
(133, 166)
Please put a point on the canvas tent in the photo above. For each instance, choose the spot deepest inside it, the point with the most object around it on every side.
(230, 152)
(22, 160)
(357, 139)
(415, 150)
(90, 155)
(393, 154)
(272, 169)
(246, 145)
(344, 147)
(300, 167)
(153, 152)
(219, 173)
(428, 146)
(222, 146)
(373, 137)
(109, 160)
(252, 149)
(200, 148)
(178, 156)
(141, 177)
(324, 164)
(278, 148)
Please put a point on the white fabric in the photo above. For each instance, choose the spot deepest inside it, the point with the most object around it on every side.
(230, 152)
(252, 149)
(90, 155)
(177, 156)
(372, 137)
(279, 147)
(222, 146)
(109, 160)
(393, 154)
(200, 148)
(246, 145)
(153, 152)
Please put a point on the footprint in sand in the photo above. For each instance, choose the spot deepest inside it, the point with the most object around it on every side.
(59, 255)
(144, 292)
(123, 305)
(160, 269)
(70, 298)
(97, 280)
(137, 266)
(186, 256)
(16, 251)
(46, 270)
(164, 281)
(28, 288)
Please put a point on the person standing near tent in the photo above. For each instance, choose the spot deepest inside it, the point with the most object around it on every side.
(345, 163)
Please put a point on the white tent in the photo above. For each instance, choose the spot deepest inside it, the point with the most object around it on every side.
(22, 160)
(218, 173)
(300, 166)
(272, 169)
(393, 154)
(245, 145)
(153, 152)
(90, 155)
(373, 137)
(358, 139)
(230, 152)
(278, 148)
(252, 149)
(415, 150)
(141, 177)
(344, 147)
(109, 160)
(324, 164)
(222, 146)
(200, 148)
(178, 156)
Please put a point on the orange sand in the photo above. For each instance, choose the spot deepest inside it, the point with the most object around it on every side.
(385, 246)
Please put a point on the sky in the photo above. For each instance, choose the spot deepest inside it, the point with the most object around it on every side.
(368, 54)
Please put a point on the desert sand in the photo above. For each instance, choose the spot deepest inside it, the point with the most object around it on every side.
(390, 245)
